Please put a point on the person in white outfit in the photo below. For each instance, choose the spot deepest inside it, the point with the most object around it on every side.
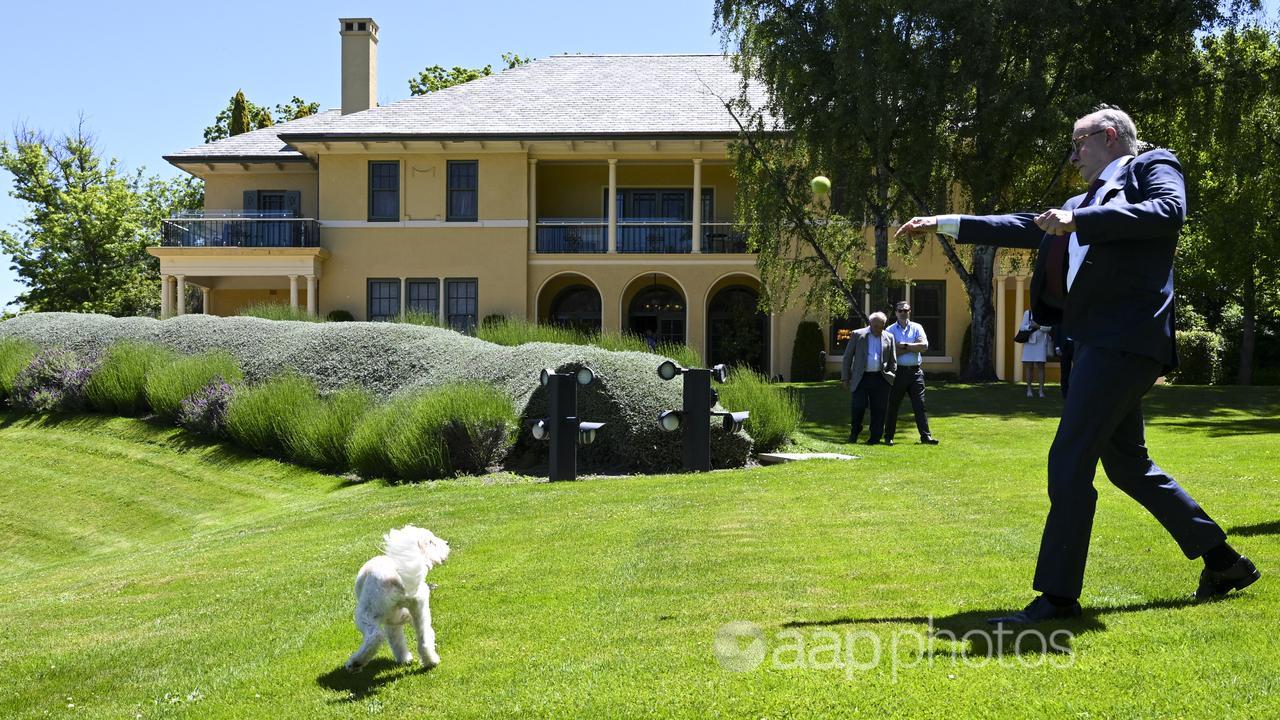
(1035, 351)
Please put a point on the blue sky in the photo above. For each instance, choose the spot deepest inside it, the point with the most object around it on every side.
(149, 76)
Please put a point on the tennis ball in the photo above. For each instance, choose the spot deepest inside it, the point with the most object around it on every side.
(821, 185)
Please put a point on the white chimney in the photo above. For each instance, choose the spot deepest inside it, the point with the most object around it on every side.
(359, 63)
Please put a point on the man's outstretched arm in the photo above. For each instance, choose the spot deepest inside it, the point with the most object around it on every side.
(1018, 230)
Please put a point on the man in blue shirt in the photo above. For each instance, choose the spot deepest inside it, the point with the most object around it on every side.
(909, 381)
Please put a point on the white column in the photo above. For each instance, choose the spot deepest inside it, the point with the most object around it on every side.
(293, 292)
(533, 206)
(697, 205)
(182, 295)
(164, 296)
(1017, 318)
(313, 302)
(403, 299)
(613, 205)
(866, 301)
(906, 294)
(205, 294)
(1000, 332)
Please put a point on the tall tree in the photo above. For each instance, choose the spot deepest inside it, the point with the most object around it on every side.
(1000, 83)
(1230, 147)
(82, 245)
(437, 77)
(242, 115)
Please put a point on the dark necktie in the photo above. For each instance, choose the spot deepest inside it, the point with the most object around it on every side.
(1055, 289)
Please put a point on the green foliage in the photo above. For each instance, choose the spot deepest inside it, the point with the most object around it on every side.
(450, 430)
(806, 354)
(512, 332)
(82, 245)
(319, 429)
(775, 412)
(15, 354)
(437, 78)
(262, 417)
(168, 385)
(417, 317)
(340, 316)
(242, 115)
(1199, 358)
(276, 311)
(119, 384)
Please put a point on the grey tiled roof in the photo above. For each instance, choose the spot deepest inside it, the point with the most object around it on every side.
(558, 96)
(264, 144)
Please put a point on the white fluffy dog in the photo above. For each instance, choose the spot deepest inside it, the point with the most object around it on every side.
(391, 590)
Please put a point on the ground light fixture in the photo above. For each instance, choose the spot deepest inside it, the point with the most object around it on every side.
(561, 427)
(695, 414)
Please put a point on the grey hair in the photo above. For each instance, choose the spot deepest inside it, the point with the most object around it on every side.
(1110, 116)
(883, 318)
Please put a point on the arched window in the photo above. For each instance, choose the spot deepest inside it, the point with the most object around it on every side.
(737, 332)
(659, 310)
(577, 307)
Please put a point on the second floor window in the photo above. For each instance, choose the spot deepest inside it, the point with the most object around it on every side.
(463, 190)
(384, 191)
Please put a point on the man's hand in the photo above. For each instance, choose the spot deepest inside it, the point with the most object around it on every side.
(917, 226)
(1057, 222)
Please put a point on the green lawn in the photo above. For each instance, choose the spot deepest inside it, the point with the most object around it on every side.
(146, 575)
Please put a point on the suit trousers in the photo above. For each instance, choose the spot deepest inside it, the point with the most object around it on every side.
(1102, 420)
(910, 382)
(872, 391)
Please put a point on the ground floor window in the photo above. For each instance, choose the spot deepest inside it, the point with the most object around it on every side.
(384, 299)
(461, 298)
(422, 295)
(737, 332)
(658, 311)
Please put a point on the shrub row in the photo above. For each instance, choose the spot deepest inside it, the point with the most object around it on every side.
(426, 434)
(387, 359)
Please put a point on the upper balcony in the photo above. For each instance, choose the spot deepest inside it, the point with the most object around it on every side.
(636, 235)
(240, 228)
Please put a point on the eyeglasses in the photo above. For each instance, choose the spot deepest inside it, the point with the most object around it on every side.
(1077, 141)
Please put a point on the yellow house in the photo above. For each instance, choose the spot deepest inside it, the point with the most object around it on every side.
(589, 190)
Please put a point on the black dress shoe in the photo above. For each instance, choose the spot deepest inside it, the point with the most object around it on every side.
(888, 442)
(1216, 583)
(873, 442)
(929, 440)
(1040, 610)
(853, 439)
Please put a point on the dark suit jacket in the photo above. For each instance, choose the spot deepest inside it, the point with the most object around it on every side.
(1122, 296)
(853, 365)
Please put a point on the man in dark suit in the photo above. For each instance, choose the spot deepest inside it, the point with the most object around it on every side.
(1104, 274)
(867, 371)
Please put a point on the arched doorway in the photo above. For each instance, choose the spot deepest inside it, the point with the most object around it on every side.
(576, 307)
(658, 309)
(737, 332)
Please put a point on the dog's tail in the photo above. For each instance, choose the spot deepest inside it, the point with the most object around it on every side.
(401, 545)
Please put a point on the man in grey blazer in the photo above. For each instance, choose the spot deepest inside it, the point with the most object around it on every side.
(1104, 276)
(867, 371)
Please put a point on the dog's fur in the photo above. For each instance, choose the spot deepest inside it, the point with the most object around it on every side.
(391, 590)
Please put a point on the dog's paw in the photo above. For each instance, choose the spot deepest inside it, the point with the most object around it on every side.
(408, 658)
(353, 667)
(430, 660)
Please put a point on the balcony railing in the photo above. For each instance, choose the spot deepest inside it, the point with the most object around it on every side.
(720, 238)
(240, 229)
(572, 236)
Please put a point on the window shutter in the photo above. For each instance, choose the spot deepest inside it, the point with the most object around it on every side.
(293, 203)
(250, 199)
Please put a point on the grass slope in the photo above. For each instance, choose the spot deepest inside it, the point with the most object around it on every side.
(142, 574)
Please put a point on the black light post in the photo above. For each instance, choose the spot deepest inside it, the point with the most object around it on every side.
(561, 426)
(695, 414)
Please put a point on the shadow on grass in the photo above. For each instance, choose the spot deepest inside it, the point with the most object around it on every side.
(357, 686)
(1262, 528)
(986, 640)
